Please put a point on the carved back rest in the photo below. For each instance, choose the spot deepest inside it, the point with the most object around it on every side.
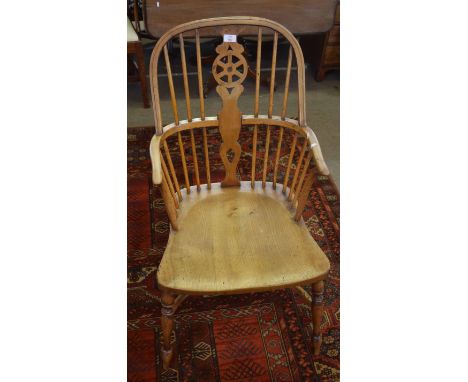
(230, 70)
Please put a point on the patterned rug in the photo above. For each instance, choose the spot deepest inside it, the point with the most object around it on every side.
(256, 337)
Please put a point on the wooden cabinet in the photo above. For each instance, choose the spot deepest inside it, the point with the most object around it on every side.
(330, 57)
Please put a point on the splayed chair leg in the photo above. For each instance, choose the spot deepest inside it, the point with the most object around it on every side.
(167, 323)
(317, 312)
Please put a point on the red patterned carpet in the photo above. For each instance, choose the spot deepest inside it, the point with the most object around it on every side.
(256, 337)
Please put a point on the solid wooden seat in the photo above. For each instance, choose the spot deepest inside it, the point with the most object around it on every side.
(233, 240)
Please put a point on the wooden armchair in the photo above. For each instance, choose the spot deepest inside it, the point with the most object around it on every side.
(245, 233)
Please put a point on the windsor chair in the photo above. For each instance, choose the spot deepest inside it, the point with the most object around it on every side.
(245, 233)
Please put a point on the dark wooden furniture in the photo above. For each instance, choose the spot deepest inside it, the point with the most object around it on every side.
(330, 57)
(246, 233)
(298, 16)
(135, 48)
(136, 15)
(301, 17)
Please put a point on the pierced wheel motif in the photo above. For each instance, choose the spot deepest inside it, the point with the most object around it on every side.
(230, 67)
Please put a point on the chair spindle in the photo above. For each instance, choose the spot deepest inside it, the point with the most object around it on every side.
(200, 75)
(171, 86)
(298, 168)
(195, 159)
(257, 73)
(273, 72)
(301, 179)
(254, 154)
(278, 152)
(265, 159)
(286, 85)
(290, 159)
(169, 182)
(184, 162)
(207, 158)
(170, 205)
(270, 107)
(184, 74)
(283, 115)
(302, 200)
(171, 167)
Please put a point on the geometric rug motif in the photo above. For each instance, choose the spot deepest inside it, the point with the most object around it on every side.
(247, 337)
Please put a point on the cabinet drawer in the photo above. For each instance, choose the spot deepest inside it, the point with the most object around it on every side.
(334, 36)
(332, 55)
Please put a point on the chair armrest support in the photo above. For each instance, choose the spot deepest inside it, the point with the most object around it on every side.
(155, 154)
(317, 152)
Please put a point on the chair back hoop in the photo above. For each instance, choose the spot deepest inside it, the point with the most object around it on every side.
(235, 25)
(229, 70)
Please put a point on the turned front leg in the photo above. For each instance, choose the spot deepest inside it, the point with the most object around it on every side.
(167, 323)
(317, 312)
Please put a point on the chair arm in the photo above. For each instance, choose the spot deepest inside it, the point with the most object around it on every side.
(317, 152)
(155, 154)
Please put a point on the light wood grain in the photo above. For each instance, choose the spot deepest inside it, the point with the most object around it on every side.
(298, 169)
(184, 161)
(265, 158)
(170, 204)
(230, 117)
(286, 84)
(235, 25)
(207, 158)
(318, 157)
(171, 86)
(169, 182)
(234, 240)
(278, 152)
(247, 119)
(254, 155)
(304, 195)
(304, 293)
(273, 74)
(167, 323)
(155, 155)
(257, 71)
(184, 74)
(317, 314)
(172, 169)
(250, 237)
(200, 76)
(290, 159)
(297, 190)
(195, 158)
